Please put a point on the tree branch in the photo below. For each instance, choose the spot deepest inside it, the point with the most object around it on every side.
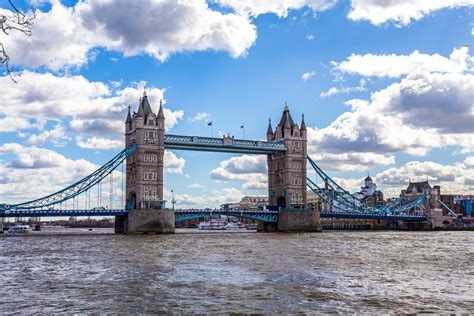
(19, 22)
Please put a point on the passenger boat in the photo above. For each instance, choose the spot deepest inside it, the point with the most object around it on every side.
(232, 225)
(19, 229)
(213, 224)
(252, 226)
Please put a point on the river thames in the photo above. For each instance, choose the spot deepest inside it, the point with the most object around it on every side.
(330, 272)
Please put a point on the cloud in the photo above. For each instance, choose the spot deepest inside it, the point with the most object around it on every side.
(58, 41)
(201, 116)
(99, 143)
(413, 116)
(24, 177)
(345, 90)
(13, 123)
(254, 8)
(173, 163)
(307, 75)
(57, 136)
(97, 127)
(214, 200)
(66, 37)
(250, 169)
(453, 178)
(310, 37)
(431, 107)
(254, 185)
(93, 109)
(195, 186)
(443, 102)
(350, 161)
(395, 66)
(400, 12)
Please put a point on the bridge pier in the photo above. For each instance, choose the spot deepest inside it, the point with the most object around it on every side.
(299, 220)
(146, 222)
(293, 221)
(265, 227)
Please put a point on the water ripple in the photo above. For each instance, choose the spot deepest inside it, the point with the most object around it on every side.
(332, 272)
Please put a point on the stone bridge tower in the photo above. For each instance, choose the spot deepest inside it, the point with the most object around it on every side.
(287, 171)
(144, 170)
(144, 173)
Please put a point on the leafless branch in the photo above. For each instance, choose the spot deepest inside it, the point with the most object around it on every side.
(19, 22)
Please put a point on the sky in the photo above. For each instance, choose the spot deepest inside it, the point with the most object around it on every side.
(386, 88)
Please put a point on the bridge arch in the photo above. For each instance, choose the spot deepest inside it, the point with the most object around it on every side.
(281, 202)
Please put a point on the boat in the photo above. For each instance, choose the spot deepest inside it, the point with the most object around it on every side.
(213, 224)
(251, 226)
(232, 225)
(19, 229)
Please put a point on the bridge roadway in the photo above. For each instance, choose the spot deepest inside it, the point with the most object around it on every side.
(224, 144)
(183, 215)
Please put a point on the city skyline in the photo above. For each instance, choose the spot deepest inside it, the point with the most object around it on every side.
(399, 109)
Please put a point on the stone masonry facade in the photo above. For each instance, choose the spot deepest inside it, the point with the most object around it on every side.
(144, 167)
(287, 170)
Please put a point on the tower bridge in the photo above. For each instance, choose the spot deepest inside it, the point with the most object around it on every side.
(286, 150)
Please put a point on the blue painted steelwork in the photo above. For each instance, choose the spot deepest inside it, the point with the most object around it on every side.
(76, 188)
(339, 203)
(259, 215)
(371, 215)
(225, 144)
(58, 213)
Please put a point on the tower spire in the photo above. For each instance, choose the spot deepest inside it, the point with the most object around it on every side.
(303, 125)
(161, 115)
(141, 111)
(269, 129)
(129, 116)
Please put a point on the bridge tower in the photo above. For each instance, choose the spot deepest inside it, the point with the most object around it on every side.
(144, 173)
(287, 170)
(287, 177)
(145, 166)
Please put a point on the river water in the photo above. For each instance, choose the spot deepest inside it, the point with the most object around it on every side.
(330, 272)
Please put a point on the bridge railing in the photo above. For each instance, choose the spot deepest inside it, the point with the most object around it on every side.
(223, 144)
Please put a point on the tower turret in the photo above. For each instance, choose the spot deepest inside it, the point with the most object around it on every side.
(269, 130)
(303, 128)
(161, 117)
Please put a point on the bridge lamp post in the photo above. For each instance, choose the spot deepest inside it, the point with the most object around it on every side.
(173, 201)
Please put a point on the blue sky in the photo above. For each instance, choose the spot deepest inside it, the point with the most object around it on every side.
(386, 88)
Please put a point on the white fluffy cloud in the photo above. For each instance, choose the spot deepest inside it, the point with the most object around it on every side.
(93, 110)
(65, 36)
(24, 177)
(453, 178)
(400, 12)
(414, 116)
(307, 75)
(201, 116)
(395, 66)
(255, 8)
(431, 107)
(252, 170)
(344, 90)
(456, 178)
(99, 143)
(214, 200)
(57, 136)
(351, 161)
(173, 163)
